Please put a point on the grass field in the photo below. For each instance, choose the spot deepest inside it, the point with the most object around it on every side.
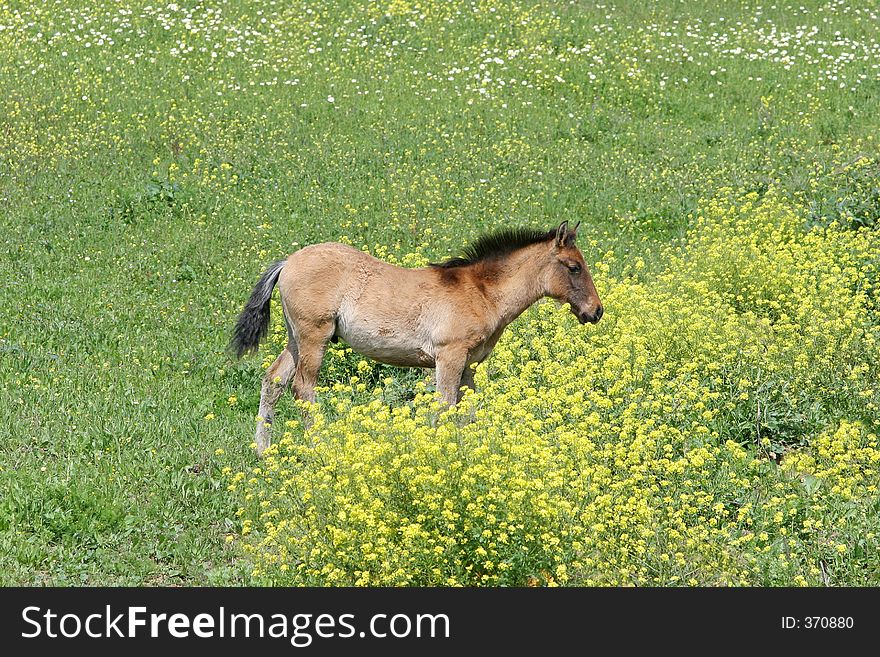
(719, 426)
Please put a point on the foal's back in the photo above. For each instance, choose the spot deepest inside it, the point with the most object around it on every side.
(322, 278)
(389, 313)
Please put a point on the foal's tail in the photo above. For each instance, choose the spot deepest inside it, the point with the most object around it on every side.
(253, 323)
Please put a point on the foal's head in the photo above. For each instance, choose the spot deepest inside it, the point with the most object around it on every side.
(569, 279)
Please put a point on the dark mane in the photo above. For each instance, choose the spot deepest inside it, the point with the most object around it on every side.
(497, 244)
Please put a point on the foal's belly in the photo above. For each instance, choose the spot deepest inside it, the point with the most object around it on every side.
(413, 358)
(386, 345)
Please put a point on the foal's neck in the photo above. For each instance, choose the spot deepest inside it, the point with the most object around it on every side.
(518, 283)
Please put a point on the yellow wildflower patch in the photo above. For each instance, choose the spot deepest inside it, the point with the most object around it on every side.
(678, 442)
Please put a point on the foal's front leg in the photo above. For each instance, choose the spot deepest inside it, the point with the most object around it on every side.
(451, 363)
(467, 379)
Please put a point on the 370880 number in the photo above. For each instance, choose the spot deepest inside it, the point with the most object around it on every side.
(818, 622)
(828, 622)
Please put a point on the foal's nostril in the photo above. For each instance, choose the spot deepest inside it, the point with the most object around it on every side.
(599, 312)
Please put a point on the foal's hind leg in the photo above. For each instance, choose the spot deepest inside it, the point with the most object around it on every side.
(274, 384)
(311, 353)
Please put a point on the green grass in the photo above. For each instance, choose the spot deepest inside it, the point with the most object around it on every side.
(145, 184)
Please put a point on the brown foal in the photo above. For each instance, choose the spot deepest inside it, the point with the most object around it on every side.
(447, 315)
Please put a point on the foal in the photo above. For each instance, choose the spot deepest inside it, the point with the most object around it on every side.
(447, 315)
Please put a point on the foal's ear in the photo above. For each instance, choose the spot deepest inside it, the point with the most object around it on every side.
(562, 234)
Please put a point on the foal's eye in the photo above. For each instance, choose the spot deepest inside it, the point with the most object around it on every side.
(574, 269)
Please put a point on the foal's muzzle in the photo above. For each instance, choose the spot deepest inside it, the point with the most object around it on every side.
(591, 317)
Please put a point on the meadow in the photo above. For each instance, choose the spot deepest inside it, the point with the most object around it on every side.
(718, 427)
